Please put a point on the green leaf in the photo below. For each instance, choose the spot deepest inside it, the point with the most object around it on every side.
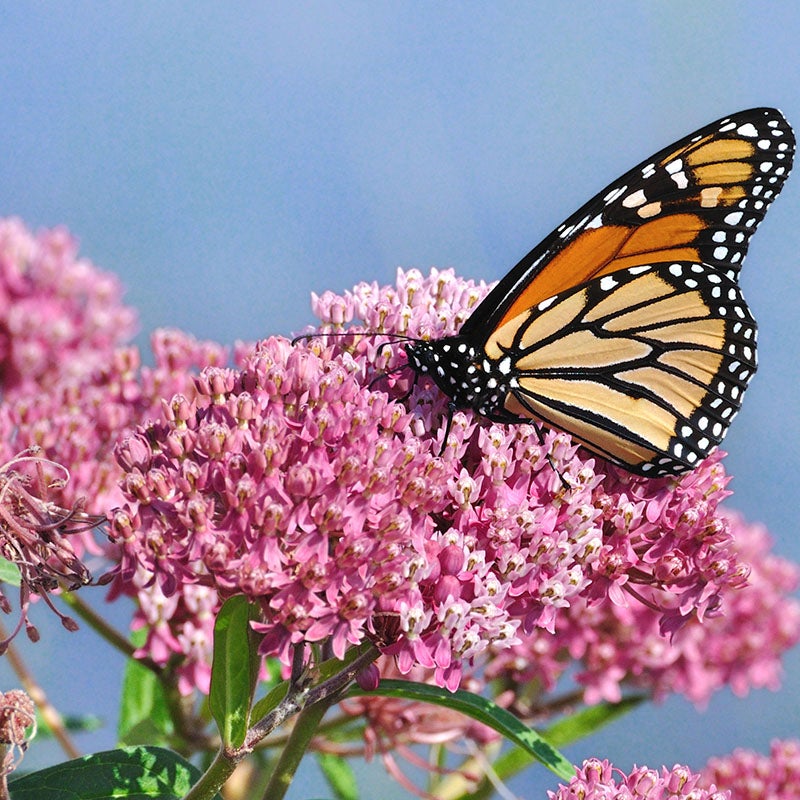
(585, 722)
(339, 775)
(270, 701)
(563, 732)
(132, 773)
(481, 710)
(234, 672)
(144, 716)
(9, 573)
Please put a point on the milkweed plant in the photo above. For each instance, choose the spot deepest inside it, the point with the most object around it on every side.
(317, 571)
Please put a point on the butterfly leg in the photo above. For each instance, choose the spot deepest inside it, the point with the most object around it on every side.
(381, 376)
(451, 409)
(540, 436)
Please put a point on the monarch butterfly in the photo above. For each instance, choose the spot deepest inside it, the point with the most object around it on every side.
(626, 327)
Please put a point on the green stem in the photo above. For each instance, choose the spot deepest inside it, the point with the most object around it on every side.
(214, 777)
(306, 725)
(300, 698)
(309, 706)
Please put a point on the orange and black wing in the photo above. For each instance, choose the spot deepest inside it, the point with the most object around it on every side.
(698, 200)
(626, 327)
(646, 366)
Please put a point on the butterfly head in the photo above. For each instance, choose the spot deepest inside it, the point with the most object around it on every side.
(463, 374)
(450, 362)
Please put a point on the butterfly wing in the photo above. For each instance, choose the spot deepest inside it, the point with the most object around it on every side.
(626, 326)
(646, 366)
(698, 200)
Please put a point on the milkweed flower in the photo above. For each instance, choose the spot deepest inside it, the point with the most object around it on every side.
(17, 727)
(615, 645)
(304, 480)
(752, 776)
(60, 315)
(66, 367)
(72, 384)
(78, 420)
(599, 780)
(37, 534)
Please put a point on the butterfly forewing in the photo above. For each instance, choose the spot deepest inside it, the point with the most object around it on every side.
(699, 199)
(626, 327)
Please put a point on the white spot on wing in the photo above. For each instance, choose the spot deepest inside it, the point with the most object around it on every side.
(680, 179)
(638, 198)
(615, 195)
(597, 222)
(733, 219)
(748, 129)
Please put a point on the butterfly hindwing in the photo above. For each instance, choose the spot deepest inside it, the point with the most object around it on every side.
(646, 366)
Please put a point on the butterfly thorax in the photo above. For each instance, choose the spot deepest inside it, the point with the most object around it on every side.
(464, 374)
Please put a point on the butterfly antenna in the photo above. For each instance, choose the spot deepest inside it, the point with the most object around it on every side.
(307, 337)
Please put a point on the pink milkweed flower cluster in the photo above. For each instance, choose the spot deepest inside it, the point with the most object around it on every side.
(618, 645)
(606, 648)
(77, 423)
(71, 383)
(753, 776)
(305, 480)
(64, 367)
(60, 315)
(72, 386)
(79, 419)
(599, 780)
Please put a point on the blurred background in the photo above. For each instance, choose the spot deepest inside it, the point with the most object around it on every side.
(226, 160)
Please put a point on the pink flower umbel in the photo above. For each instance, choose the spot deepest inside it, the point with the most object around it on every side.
(306, 481)
(79, 419)
(599, 780)
(619, 645)
(61, 316)
(67, 378)
(753, 776)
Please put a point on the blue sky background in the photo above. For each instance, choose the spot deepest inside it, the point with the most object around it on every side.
(228, 159)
